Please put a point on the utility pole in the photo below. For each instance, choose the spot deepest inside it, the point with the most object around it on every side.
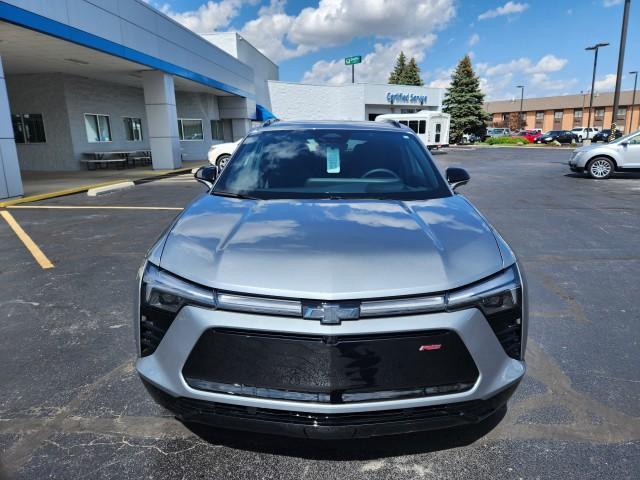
(623, 41)
(633, 100)
(593, 78)
(521, 87)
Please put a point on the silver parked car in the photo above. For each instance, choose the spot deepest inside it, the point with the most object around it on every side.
(331, 284)
(600, 161)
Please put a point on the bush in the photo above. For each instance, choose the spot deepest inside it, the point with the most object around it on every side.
(506, 141)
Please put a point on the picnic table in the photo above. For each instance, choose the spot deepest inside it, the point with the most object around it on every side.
(119, 158)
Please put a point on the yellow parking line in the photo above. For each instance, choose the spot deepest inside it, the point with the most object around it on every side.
(40, 257)
(93, 207)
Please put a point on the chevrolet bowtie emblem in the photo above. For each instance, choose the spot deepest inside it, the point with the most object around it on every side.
(330, 313)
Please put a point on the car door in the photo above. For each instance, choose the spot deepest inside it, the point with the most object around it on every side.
(631, 151)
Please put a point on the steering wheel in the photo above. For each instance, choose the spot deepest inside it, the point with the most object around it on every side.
(390, 173)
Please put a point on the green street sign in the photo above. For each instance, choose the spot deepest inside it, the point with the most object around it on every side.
(353, 60)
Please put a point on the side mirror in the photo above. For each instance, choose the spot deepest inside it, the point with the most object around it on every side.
(206, 175)
(457, 177)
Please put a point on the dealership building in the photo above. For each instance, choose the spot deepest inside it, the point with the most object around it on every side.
(568, 111)
(82, 77)
(86, 81)
(354, 101)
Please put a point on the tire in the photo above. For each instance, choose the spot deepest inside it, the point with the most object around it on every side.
(600, 168)
(580, 139)
(222, 160)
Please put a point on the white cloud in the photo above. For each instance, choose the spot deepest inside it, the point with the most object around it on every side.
(269, 32)
(335, 22)
(547, 64)
(509, 8)
(442, 80)
(474, 39)
(611, 3)
(375, 66)
(606, 83)
(208, 17)
(497, 81)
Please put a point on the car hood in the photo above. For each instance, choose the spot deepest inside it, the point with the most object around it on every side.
(331, 249)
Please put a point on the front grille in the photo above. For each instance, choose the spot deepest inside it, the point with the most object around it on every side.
(508, 328)
(186, 407)
(330, 369)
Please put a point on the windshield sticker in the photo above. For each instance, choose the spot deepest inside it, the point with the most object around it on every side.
(333, 160)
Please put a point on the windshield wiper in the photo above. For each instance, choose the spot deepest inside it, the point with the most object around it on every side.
(234, 195)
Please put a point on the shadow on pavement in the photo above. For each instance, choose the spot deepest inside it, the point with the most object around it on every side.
(620, 176)
(346, 450)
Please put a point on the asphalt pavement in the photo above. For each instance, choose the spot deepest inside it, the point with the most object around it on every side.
(71, 405)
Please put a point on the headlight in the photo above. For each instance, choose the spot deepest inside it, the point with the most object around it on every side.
(162, 295)
(167, 292)
(501, 292)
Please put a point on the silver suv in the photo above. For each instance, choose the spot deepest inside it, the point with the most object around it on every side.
(331, 284)
(600, 161)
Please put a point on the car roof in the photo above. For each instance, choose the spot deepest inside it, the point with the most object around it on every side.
(333, 125)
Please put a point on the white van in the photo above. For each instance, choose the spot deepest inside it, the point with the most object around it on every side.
(431, 127)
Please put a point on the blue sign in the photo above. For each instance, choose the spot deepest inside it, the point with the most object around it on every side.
(406, 98)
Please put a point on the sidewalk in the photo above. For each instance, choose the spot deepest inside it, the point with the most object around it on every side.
(41, 185)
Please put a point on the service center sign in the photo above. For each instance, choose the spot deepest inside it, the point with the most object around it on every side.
(406, 98)
(353, 60)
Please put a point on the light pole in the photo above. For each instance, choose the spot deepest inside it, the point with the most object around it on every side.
(593, 78)
(521, 87)
(633, 99)
(623, 42)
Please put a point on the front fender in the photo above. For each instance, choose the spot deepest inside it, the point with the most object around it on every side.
(583, 160)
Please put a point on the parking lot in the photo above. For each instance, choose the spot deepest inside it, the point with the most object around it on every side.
(71, 405)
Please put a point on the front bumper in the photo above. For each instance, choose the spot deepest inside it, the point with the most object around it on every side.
(496, 376)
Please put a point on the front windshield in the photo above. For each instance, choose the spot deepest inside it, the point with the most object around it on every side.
(328, 163)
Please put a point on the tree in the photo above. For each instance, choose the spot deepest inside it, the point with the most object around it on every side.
(405, 73)
(464, 101)
(398, 71)
(412, 74)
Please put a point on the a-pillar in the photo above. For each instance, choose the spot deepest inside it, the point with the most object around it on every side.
(162, 119)
(10, 179)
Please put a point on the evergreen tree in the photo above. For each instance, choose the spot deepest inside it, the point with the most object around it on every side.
(464, 101)
(411, 75)
(398, 71)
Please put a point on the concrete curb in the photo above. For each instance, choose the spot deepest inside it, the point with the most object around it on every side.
(94, 192)
(70, 191)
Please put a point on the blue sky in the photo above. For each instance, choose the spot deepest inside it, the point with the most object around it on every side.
(539, 44)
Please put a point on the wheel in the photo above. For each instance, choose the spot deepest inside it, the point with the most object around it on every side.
(580, 139)
(222, 160)
(600, 168)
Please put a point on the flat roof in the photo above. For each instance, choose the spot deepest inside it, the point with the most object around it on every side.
(558, 102)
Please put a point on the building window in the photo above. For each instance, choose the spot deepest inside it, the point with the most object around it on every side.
(505, 118)
(622, 112)
(190, 129)
(539, 116)
(28, 128)
(217, 130)
(599, 113)
(98, 127)
(577, 114)
(557, 116)
(408, 110)
(133, 129)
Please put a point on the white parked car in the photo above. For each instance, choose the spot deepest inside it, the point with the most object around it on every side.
(600, 161)
(585, 132)
(220, 153)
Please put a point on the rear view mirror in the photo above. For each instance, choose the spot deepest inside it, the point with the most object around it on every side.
(207, 175)
(457, 177)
